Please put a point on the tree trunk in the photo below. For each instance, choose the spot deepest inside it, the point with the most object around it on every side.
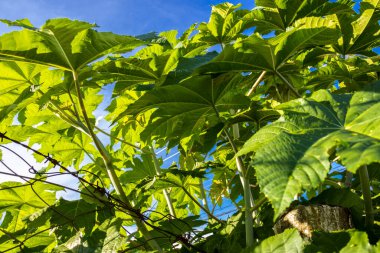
(315, 217)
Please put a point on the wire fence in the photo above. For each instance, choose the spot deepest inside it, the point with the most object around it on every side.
(92, 190)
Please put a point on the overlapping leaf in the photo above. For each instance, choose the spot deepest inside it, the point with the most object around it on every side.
(351, 241)
(360, 33)
(63, 43)
(293, 153)
(18, 83)
(288, 241)
(187, 108)
(271, 54)
(276, 16)
(226, 24)
(20, 201)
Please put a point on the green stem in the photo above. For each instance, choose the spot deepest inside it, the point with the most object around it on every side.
(332, 183)
(247, 194)
(89, 156)
(202, 188)
(118, 139)
(198, 204)
(76, 113)
(110, 170)
(158, 172)
(236, 135)
(203, 194)
(366, 190)
(288, 83)
(79, 125)
(259, 203)
(66, 117)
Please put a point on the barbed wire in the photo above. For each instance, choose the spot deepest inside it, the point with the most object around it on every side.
(111, 202)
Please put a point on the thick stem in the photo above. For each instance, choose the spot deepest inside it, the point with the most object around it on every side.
(110, 170)
(247, 194)
(254, 86)
(236, 135)
(203, 194)
(366, 190)
(158, 172)
(247, 190)
(76, 112)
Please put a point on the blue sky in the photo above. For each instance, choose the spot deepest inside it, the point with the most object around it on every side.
(132, 17)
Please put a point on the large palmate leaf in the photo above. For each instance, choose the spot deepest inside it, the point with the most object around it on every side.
(63, 43)
(351, 74)
(69, 151)
(125, 72)
(226, 24)
(39, 242)
(293, 153)
(20, 201)
(360, 33)
(187, 108)
(271, 54)
(288, 241)
(152, 64)
(351, 241)
(278, 15)
(18, 83)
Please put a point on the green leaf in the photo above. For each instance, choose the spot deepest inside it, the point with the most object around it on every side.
(352, 74)
(125, 72)
(21, 200)
(187, 108)
(63, 43)
(141, 169)
(345, 242)
(288, 241)
(69, 151)
(18, 82)
(272, 54)
(226, 24)
(68, 216)
(278, 15)
(360, 33)
(293, 153)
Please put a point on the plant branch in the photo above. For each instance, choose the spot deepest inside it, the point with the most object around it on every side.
(256, 84)
(202, 188)
(259, 203)
(203, 194)
(110, 170)
(288, 83)
(333, 183)
(76, 113)
(118, 139)
(246, 187)
(66, 117)
(247, 194)
(198, 204)
(158, 172)
(366, 190)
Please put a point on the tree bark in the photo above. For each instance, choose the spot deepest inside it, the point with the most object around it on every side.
(306, 219)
